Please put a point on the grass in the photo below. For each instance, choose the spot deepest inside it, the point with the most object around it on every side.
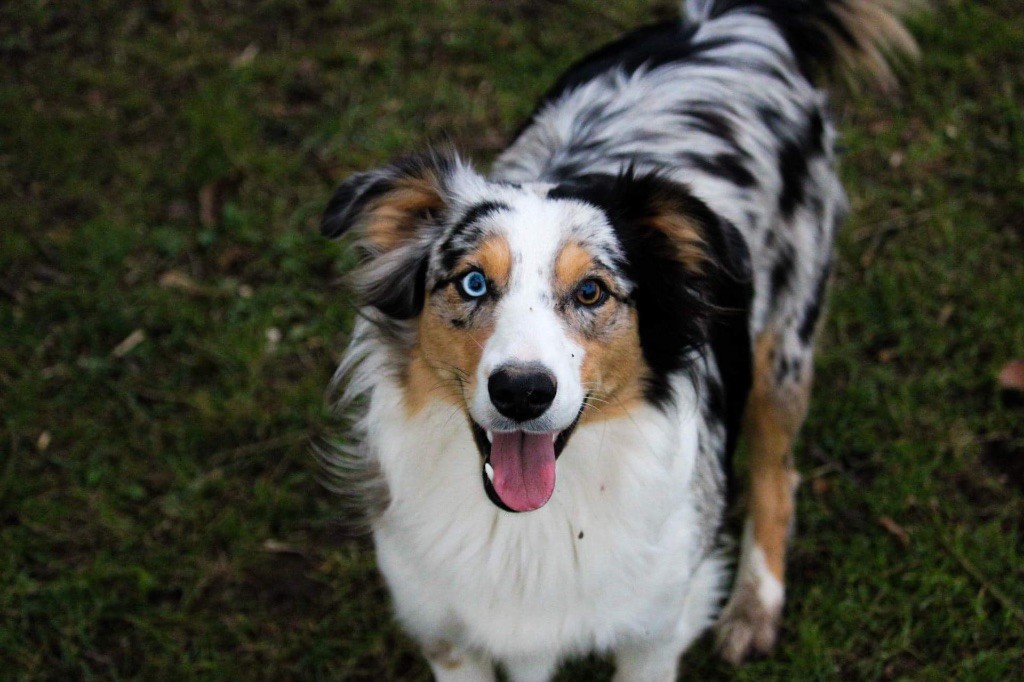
(169, 319)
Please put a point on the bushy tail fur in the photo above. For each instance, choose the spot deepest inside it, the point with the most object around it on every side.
(852, 36)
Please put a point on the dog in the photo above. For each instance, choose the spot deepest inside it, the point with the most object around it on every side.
(554, 363)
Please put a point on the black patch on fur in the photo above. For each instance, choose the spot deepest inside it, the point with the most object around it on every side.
(772, 120)
(649, 46)
(464, 234)
(727, 166)
(474, 214)
(402, 295)
(794, 155)
(776, 73)
(564, 171)
(349, 200)
(812, 28)
(782, 370)
(711, 122)
(813, 310)
(793, 167)
(815, 135)
(782, 272)
(680, 313)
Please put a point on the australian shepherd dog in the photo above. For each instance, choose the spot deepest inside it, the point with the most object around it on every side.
(554, 362)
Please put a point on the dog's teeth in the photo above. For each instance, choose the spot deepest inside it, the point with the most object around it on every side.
(490, 437)
(489, 470)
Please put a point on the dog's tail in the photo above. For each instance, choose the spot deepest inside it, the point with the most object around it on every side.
(852, 36)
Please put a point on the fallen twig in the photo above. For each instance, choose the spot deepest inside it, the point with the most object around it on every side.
(895, 529)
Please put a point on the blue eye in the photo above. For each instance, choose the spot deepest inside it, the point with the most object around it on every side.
(591, 292)
(473, 284)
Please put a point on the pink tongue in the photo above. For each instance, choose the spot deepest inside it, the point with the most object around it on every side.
(524, 469)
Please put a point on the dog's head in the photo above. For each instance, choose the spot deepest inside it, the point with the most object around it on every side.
(533, 308)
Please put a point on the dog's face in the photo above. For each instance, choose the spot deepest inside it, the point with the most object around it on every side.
(532, 308)
(526, 316)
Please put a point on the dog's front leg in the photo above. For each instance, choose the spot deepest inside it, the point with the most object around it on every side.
(531, 669)
(452, 665)
(652, 661)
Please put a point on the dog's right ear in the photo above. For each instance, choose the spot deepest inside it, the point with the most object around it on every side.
(349, 200)
(384, 206)
(395, 213)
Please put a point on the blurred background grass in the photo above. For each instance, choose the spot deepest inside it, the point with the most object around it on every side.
(169, 319)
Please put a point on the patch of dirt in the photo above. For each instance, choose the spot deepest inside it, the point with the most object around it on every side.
(900, 667)
(1005, 458)
(987, 495)
(282, 585)
(1011, 398)
(859, 466)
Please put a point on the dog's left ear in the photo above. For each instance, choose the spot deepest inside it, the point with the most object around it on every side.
(396, 213)
(716, 275)
(709, 247)
(690, 267)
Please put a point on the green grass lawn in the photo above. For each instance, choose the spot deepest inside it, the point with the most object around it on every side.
(169, 319)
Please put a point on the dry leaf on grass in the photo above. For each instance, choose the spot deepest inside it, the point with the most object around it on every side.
(176, 279)
(895, 529)
(273, 546)
(246, 56)
(129, 342)
(210, 203)
(946, 314)
(887, 355)
(1011, 377)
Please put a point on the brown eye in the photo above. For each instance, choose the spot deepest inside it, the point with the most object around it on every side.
(590, 293)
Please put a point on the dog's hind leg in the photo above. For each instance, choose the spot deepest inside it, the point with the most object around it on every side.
(775, 412)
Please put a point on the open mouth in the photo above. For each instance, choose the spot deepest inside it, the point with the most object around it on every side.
(518, 466)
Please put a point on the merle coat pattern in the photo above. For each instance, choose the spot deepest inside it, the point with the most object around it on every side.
(637, 283)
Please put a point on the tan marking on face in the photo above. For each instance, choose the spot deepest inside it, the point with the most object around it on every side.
(421, 384)
(392, 218)
(613, 367)
(571, 266)
(495, 259)
(771, 421)
(443, 362)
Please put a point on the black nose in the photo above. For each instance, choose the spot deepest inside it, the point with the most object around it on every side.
(521, 392)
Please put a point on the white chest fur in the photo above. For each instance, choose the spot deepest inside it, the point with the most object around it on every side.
(609, 559)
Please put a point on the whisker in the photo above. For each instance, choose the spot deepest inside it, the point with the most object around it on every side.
(640, 431)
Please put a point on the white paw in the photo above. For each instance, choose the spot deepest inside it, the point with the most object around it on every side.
(748, 626)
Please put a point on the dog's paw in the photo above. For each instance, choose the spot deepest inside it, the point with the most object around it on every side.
(747, 626)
